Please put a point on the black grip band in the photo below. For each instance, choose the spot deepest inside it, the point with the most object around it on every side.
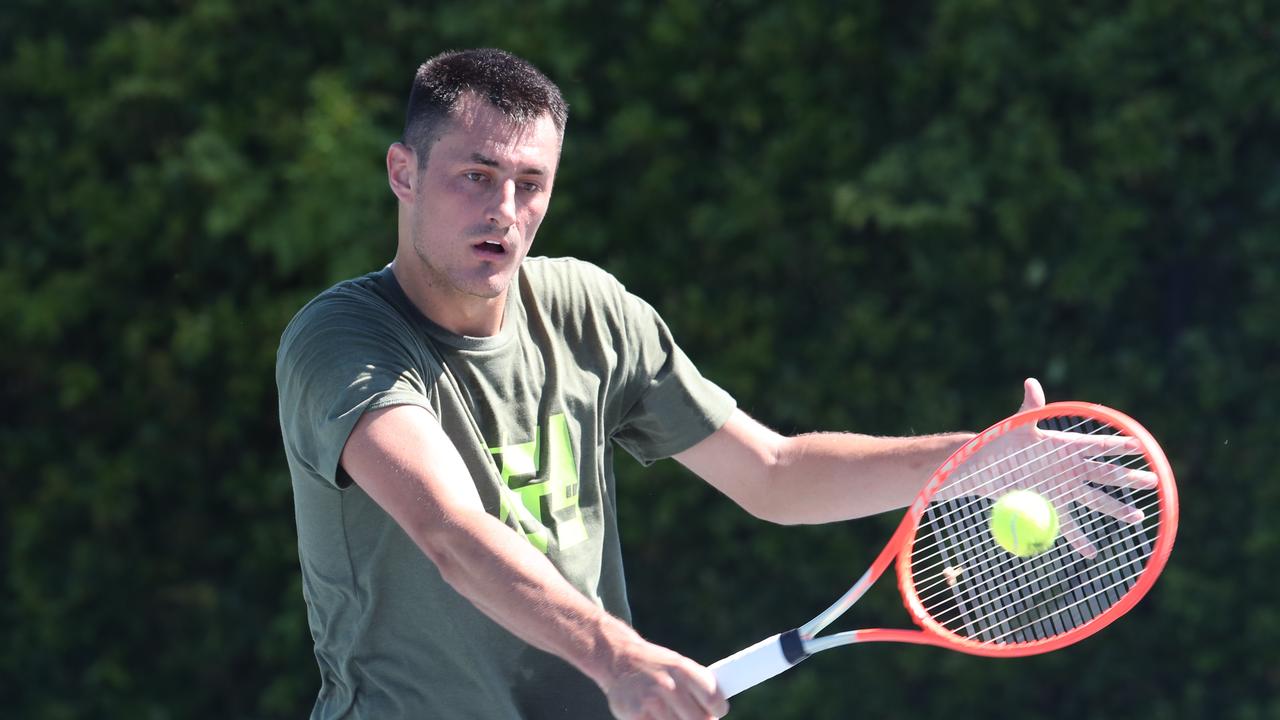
(792, 646)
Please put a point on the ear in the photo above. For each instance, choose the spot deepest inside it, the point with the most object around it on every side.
(402, 171)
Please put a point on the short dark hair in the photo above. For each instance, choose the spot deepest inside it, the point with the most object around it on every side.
(509, 83)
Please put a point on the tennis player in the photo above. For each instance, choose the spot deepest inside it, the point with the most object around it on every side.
(450, 422)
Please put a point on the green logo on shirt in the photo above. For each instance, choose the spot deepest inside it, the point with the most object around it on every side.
(524, 491)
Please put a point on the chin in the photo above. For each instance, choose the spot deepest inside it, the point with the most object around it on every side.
(489, 286)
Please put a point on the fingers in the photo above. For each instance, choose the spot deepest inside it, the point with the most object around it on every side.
(707, 691)
(684, 705)
(1075, 536)
(701, 698)
(1095, 445)
(662, 685)
(1117, 476)
(1101, 502)
(1032, 395)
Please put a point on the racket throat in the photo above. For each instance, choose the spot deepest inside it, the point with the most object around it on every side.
(793, 646)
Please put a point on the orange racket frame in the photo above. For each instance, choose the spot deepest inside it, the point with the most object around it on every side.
(773, 655)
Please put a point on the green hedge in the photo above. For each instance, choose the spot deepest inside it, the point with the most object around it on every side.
(870, 216)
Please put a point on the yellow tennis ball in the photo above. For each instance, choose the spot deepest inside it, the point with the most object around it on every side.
(1024, 523)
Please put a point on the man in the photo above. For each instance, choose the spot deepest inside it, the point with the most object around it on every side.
(449, 423)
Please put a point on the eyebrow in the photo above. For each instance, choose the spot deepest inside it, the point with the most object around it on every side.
(487, 161)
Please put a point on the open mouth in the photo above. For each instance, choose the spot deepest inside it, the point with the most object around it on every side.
(492, 248)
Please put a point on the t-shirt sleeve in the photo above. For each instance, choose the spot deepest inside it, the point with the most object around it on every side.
(342, 356)
(671, 407)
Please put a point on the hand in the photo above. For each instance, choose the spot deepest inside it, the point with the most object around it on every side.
(653, 683)
(1009, 462)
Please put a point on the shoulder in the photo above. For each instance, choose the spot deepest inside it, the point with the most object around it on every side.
(573, 292)
(584, 301)
(569, 276)
(576, 286)
(353, 317)
(348, 305)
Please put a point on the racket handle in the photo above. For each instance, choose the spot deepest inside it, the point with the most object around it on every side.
(751, 666)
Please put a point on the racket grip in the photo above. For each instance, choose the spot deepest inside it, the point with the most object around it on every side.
(753, 665)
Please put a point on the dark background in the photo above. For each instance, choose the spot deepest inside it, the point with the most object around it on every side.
(855, 215)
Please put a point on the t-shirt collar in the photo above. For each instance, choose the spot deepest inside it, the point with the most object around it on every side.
(387, 280)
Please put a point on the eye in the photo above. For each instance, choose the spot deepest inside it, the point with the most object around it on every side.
(531, 187)
(474, 176)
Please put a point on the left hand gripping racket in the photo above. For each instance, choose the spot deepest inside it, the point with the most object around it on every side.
(1117, 506)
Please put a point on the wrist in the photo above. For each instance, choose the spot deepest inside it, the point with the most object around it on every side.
(612, 640)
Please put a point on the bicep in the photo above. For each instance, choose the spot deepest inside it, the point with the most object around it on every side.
(738, 460)
(404, 461)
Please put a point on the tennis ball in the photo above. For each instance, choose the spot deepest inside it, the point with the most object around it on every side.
(1024, 523)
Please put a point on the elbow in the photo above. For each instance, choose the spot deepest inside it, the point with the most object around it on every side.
(444, 544)
(767, 495)
(447, 563)
(774, 512)
(764, 501)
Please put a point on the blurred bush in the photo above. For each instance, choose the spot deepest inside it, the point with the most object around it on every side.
(869, 216)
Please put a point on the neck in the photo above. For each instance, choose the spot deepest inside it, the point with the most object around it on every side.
(454, 311)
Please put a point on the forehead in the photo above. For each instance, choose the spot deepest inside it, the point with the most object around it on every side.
(478, 127)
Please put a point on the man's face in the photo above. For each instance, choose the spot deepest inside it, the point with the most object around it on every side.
(479, 202)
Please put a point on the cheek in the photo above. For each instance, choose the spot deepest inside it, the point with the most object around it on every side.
(446, 206)
(534, 212)
(531, 222)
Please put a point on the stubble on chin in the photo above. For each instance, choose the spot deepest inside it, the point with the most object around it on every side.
(440, 279)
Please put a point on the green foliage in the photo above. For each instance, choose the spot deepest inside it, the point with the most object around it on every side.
(872, 216)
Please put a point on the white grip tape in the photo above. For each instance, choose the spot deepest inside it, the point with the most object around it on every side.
(751, 666)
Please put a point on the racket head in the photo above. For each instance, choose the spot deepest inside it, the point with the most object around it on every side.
(969, 594)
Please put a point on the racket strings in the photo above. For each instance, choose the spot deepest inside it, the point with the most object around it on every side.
(973, 588)
(997, 604)
(994, 481)
(964, 515)
(993, 595)
(941, 581)
(1094, 609)
(981, 506)
(980, 501)
(996, 579)
(1003, 480)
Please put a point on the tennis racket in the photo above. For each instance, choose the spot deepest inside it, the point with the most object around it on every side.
(1117, 505)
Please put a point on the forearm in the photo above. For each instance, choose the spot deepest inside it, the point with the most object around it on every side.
(502, 574)
(516, 586)
(816, 478)
(479, 556)
(519, 588)
(823, 477)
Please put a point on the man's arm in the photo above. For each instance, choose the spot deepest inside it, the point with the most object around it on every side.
(822, 477)
(402, 458)
(815, 478)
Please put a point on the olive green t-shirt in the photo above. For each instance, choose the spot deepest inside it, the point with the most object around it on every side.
(580, 365)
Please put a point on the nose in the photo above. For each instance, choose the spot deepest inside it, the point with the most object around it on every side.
(503, 210)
